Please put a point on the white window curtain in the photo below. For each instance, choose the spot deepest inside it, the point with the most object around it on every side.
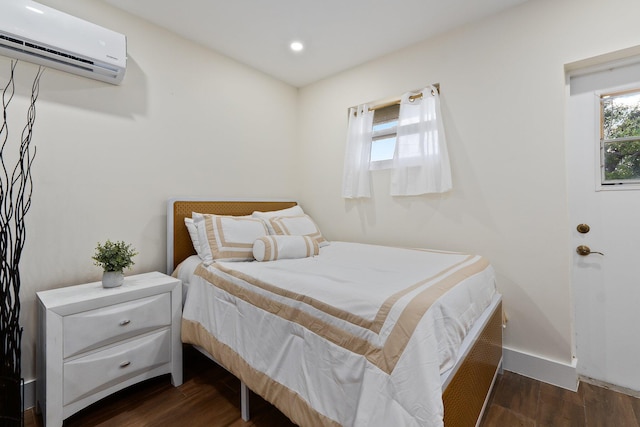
(356, 181)
(421, 161)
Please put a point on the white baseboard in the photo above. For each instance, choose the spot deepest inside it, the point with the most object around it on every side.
(542, 369)
(29, 393)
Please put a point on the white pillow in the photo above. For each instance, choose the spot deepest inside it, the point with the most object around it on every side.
(227, 238)
(193, 233)
(301, 225)
(266, 216)
(271, 248)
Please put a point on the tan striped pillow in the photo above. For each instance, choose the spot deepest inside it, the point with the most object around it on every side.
(300, 225)
(265, 216)
(271, 248)
(228, 238)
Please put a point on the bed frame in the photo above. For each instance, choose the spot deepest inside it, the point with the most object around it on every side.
(467, 389)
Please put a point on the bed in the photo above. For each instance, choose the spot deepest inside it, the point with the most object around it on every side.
(301, 334)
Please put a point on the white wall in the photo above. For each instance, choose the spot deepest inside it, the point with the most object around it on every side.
(185, 121)
(502, 86)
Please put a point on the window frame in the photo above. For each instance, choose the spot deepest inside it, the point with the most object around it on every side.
(602, 184)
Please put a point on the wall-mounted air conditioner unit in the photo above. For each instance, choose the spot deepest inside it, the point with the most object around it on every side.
(36, 33)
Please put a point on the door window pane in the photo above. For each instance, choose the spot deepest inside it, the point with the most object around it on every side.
(620, 137)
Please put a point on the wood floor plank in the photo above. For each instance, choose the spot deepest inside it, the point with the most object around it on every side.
(499, 416)
(552, 392)
(518, 393)
(605, 407)
(560, 413)
(635, 404)
(558, 407)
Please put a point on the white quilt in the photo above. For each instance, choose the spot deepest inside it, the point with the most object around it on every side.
(358, 334)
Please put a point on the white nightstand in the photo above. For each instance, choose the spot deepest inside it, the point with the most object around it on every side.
(93, 341)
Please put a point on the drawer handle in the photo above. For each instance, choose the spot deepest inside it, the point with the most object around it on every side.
(125, 322)
(125, 364)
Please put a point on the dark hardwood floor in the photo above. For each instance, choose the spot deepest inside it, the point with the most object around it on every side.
(211, 397)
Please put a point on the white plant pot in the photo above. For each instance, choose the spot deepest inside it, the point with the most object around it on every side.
(112, 279)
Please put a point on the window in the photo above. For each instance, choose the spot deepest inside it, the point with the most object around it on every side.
(620, 137)
(383, 140)
(406, 136)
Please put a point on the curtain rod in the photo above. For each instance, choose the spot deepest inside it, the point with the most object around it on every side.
(397, 101)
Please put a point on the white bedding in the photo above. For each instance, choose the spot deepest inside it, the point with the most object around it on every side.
(338, 331)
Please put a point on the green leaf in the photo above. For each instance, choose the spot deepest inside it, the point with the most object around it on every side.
(114, 256)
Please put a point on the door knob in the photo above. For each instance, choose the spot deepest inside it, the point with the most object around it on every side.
(585, 250)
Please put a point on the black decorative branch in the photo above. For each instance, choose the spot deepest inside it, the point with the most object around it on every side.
(16, 188)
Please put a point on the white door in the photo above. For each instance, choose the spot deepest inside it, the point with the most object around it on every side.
(606, 288)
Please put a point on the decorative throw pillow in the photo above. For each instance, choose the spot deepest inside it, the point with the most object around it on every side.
(301, 225)
(266, 216)
(228, 238)
(271, 248)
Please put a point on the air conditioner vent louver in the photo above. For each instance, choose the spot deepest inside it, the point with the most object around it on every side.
(45, 49)
(57, 52)
(11, 39)
(58, 40)
(20, 51)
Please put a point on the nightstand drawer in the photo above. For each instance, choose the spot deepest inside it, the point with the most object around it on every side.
(90, 374)
(95, 328)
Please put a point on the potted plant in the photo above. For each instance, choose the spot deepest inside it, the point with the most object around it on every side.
(113, 258)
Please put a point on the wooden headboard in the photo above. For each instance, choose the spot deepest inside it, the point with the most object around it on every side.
(179, 246)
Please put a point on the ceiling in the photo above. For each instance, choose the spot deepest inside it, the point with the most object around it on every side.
(337, 34)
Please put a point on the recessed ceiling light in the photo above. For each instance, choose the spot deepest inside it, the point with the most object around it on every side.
(296, 46)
